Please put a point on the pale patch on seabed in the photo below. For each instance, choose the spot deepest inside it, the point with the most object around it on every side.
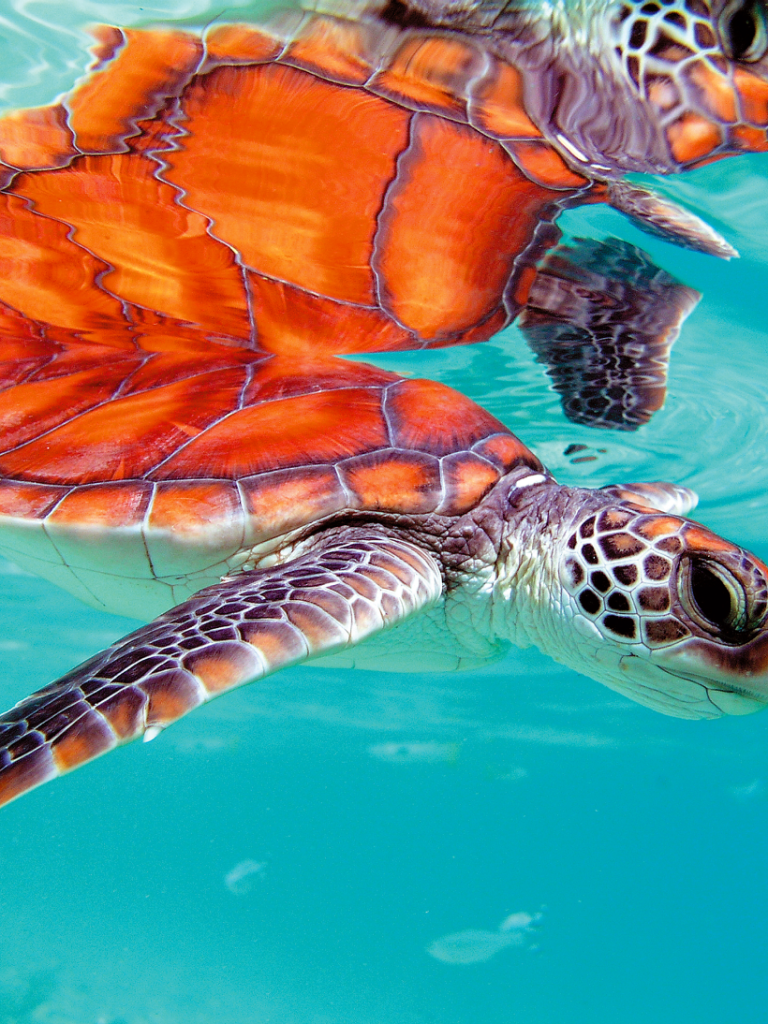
(754, 790)
(555, 737)
(504, 773)
(409, 753)
(473, 946)
(196, 744)
(22, 996)
(44, 997)
(476, 946)
(432, 752)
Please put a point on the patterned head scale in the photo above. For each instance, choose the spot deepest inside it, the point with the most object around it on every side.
(686, 611)
(703, 65)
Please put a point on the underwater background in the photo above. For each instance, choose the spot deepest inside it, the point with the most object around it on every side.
(516, 845)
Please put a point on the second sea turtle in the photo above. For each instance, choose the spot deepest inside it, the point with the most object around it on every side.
(379, 176)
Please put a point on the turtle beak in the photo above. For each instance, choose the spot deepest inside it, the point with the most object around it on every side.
(736, 678)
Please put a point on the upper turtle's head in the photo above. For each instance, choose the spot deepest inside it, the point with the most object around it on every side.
(702, 66)
(663, 610)
(626, 85)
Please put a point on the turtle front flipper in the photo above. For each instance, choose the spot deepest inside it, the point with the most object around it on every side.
(659, 216)
(350, 584)
(603, 318)
(656, 497)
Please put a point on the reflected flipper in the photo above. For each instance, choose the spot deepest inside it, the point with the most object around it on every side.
(351, 584)
(603, 318)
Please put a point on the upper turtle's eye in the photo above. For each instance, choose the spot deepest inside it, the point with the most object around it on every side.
(713, 597)
(744, 30)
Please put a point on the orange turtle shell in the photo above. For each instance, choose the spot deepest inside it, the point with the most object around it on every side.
(194, 235)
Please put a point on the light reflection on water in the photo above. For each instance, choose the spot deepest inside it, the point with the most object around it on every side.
(396, 810)
(45, 42)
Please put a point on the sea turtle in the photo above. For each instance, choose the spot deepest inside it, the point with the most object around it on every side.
(410, 499)
(193, 237)
(389, 173)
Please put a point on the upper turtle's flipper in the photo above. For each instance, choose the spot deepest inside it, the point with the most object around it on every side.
(603, 318)
(351, 584)
(656, 497)
(659, 216)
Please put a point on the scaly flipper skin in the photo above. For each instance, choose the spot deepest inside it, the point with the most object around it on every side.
(659, 216)
(345, 588)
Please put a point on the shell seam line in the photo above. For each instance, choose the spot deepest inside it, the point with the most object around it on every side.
(71, 230)
(234, 412)
(379, 283)
(107, 401)
(546, 221)
(174, 145)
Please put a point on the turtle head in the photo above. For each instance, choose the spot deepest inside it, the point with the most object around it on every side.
(665, 611)
(702, 67)
(659, 85)
(625, 85)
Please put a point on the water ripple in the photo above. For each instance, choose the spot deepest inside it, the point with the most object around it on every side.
(45, 43)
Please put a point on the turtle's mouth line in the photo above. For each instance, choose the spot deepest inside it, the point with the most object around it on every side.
(709, 685)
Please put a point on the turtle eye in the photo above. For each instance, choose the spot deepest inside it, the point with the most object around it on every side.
(744, 30)
(713, 597)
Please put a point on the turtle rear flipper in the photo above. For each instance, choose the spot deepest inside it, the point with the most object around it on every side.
(351, 584)
(603, 318)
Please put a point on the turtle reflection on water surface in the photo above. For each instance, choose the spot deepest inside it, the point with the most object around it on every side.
(196, 233)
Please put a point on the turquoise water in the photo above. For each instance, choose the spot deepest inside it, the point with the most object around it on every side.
(382, 813)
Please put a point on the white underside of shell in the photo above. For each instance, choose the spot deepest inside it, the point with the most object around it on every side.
(127, 571)
(451, 636)
(142, 573)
